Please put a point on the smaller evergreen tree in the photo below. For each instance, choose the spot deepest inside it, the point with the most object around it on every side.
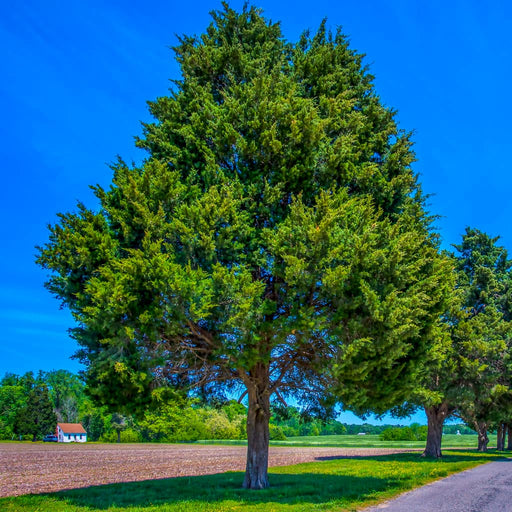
(37, 417)
(468, 372)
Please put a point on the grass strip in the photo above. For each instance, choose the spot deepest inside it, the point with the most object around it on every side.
(357, 441)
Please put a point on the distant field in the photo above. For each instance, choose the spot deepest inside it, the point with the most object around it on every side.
(373, 441)
(367, 441)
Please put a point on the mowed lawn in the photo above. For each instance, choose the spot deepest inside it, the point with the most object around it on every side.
(368, 441)
(331, 485)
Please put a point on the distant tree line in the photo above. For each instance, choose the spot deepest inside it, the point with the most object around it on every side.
(414, 432)
(31, 405)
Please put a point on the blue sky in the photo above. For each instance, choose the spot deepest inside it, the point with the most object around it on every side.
(76, 76)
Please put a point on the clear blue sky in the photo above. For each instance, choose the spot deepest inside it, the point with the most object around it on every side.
(76, 75)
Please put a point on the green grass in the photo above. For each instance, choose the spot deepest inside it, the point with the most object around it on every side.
(368, 441)
(330, 485)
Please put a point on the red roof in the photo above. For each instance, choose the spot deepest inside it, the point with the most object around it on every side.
(72, 428)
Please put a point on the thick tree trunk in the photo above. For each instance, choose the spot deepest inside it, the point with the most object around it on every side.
(509, 439)
(258, 416)
(500, 441)
(435, 418)
(483, 439)
(118, 436)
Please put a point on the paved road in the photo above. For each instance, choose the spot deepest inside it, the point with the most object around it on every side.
(486, 488)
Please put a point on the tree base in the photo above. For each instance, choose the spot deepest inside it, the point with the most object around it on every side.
(430, 455)
(256, 484)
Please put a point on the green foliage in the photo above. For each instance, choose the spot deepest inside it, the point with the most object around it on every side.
(13, 398)
(293, 422)
(128, 435)
(365, 428)
(171, 421)
(276, 223)
(178, 419)
(66, 391)
(421, 433)
(234, 410)
(460, 428)
(276, 433)
(219, 426)
(484, 335)
(36, 418)
(468, 371)
(94, 419)
(332, 427)
(413, 433)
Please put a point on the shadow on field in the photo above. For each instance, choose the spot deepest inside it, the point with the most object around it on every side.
(291, 485)
(286, 489)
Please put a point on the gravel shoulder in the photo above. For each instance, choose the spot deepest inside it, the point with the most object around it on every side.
(27, 468)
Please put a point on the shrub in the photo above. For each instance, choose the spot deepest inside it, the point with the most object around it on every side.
(413, 433)
(276, 433)
(289, 431)
(218, 426)
(130, 436)
(421, 433)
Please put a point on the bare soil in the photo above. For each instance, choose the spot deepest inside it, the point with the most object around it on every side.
(27, 468)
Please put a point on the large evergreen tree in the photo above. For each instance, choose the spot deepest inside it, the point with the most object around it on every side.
(274, 239)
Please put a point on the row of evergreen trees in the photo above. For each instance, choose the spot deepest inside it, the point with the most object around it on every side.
(468, 371)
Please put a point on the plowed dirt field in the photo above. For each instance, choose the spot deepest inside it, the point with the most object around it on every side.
(27, 468)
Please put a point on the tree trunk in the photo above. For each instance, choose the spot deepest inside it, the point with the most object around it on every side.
(258, 416)
(118, 436)
(509, 433)
(435, 418)
(483, 439)
(500, 442)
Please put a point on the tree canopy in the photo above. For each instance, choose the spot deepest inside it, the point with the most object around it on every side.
(274, 239)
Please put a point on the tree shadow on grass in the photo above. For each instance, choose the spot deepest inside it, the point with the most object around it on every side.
(286, 489)
(309, 485)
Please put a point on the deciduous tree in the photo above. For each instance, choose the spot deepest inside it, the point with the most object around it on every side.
(13, 397)
(66, 392)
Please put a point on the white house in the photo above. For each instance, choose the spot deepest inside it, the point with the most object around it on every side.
(71, 432)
